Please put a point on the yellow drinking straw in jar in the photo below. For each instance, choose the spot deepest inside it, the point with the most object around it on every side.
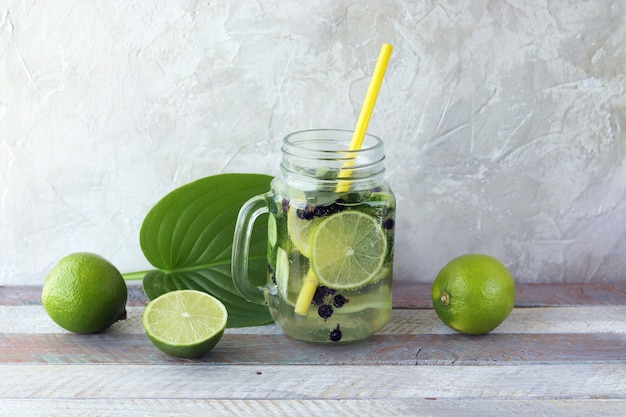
(311, 282)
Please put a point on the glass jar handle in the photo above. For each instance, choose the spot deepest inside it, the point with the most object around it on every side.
(248, 214)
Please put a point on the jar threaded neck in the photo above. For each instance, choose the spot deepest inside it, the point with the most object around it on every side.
(323, 158)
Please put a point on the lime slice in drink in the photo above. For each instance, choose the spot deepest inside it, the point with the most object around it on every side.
(300, 231)
(185, 323)
(348, 249)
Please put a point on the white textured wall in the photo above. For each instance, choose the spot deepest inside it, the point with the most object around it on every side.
(504, 121)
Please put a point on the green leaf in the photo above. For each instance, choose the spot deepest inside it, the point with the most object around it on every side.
(188, 236)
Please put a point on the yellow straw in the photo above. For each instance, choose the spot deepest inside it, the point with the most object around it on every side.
(370, 98)
(367, 109)
(311, 281)
(305, 297)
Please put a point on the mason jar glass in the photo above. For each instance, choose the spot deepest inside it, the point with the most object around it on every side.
(330, 239)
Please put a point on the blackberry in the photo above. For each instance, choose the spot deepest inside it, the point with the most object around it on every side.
(325, 290)
(339, 301)
(307, 213)
(389, 224)
(325, 311)
(322, 211)
(320, 295)
(285, 205)
(335, 335)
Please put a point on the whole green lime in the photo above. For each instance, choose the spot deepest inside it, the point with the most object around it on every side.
(84, 293)
(473, 294)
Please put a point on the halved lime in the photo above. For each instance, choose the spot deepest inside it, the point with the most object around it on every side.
(300, 231)
(185, 323)
(348, 249)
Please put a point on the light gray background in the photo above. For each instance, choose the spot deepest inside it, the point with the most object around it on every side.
(504, 121)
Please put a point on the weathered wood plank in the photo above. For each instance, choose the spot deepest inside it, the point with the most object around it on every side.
(414, 407)
(546, 320)
(558, 361)
(523, 348)
(16, 295)
(409, 294)
(33, 319)
(581, 319)
(205, 381)
(277, 349)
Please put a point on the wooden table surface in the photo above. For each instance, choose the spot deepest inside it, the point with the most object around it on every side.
(561, 352)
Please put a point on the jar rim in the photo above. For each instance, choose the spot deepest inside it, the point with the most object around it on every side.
(322, 158)
(312, 139)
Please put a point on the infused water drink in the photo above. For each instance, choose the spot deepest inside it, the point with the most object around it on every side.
(325, 237)
(330, 239)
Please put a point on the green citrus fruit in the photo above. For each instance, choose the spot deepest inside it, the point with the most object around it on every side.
(348, 249)
(185, 323)
(84, 293)
(473, 294)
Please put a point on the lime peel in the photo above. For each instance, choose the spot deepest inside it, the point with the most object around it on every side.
(348, 249)
(84, 293)
(185, 323)
(473, 294)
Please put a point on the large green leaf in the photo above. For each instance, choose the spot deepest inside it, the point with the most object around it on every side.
(188, 236)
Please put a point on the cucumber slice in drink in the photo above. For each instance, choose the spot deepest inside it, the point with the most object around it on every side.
(290, 275)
